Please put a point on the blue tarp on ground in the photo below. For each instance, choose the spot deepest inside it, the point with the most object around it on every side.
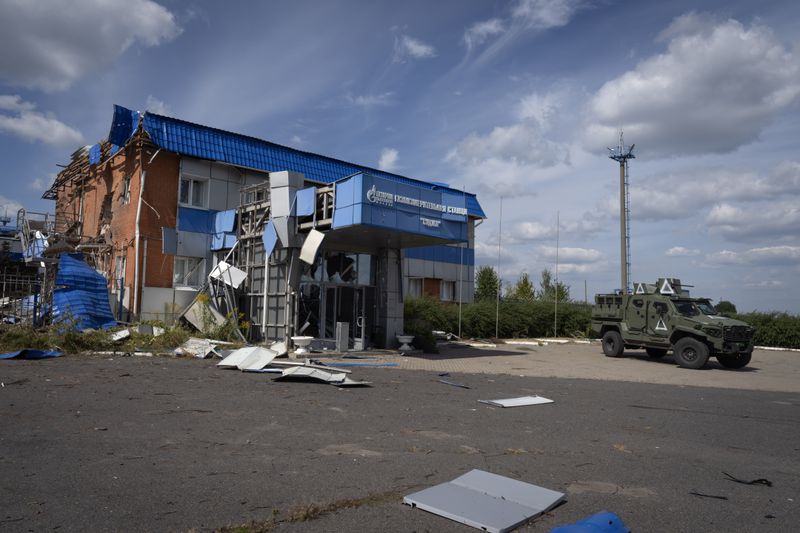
(30, 354)
(604, 522)
(81, 295)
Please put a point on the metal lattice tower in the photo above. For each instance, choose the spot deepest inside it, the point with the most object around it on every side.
(621, 154)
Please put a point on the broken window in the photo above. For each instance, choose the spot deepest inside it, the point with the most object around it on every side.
(125, 197)
(193, 192)
(188, 271)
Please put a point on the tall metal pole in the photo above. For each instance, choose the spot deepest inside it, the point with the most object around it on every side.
(555, 305)
(499, 280)
(623, 234)
(461, 267)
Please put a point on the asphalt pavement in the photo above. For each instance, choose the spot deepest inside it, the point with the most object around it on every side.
(161, 444)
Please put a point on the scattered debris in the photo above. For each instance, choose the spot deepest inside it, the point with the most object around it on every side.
(200, 348)
(235, 358)
(147, 329)
(517, 402)
(310, 363)
(605, 522)
(306, 372)
(348, 382)
(257, 359)
(228, 274)
(760, 481)
(201, 316)
(120, 335)
(695, 493)
(29, 353)
(343, 365)
(486, 501)
(454, 384)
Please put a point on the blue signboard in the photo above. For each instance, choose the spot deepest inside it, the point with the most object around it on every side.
(373, 201)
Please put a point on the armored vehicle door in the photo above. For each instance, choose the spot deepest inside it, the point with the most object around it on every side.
(658, 318)
(637, 316)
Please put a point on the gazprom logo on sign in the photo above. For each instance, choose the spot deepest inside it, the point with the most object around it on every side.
(386, 198)
(380, 197)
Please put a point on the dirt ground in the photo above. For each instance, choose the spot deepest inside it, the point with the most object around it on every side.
(162, 444)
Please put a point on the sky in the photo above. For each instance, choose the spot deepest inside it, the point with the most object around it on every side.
(516, 101)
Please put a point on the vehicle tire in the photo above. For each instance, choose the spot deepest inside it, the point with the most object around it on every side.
(612, 344)
(690, 353)
(737, 360)
(656, 353)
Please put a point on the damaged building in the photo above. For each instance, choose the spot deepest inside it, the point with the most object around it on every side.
(328, 249)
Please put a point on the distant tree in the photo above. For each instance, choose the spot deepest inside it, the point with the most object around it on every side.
(524, 289)
(549, 291)
(725, 308)
(486, 283)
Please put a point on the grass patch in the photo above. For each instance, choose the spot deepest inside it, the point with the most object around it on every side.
(312, 511)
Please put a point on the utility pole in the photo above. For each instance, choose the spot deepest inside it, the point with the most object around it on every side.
(621, 154)
(499, 280)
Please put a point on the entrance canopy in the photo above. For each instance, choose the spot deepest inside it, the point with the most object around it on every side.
(371, 211)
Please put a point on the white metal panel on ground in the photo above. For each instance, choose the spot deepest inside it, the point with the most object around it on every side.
(310, 365)
(236, 357)
(258, 359)
(348, 382)
(312, 373)
(518, 402)
(486, 501)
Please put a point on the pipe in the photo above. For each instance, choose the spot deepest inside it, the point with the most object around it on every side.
(136, 292)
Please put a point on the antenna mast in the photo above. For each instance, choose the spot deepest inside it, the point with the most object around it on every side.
(621, 154)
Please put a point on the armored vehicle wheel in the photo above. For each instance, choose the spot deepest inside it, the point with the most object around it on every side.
(612, 344)
(656, 353)
(737, 360)
(690, 353)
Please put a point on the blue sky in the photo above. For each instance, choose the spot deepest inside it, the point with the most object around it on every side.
(516, 99)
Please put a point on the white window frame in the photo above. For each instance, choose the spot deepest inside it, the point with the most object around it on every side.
(442, 292)
(193, 180)
(419, 283)
(192, 266)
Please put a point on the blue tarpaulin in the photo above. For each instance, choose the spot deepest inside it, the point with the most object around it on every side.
(29, 353)
(81, 295)
(604, 522)
(224, 235)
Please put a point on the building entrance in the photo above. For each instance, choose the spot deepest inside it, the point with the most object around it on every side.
(339, 288)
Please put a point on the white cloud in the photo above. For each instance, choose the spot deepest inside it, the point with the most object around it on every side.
(388, 160)
(9, 206)
(14, 102)
(32, 125)
(154, 105)
(477, 34)
(41, 184)
(528, 231)
(545, 14)
(407, 48)
(768, 256)
(680, 251)
(50, 46)
(714, 89)
(368, 101)
(508, 159)
(780, 222)
(573, 260)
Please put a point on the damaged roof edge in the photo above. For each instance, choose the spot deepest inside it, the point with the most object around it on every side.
(205, 142)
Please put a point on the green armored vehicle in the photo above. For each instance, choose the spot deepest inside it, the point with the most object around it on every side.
(664, 317)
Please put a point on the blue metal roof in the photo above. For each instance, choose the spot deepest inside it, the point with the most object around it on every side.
(218, 145)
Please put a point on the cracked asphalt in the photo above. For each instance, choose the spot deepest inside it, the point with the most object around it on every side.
(160, 444)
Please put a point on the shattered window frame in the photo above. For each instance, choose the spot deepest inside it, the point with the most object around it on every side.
(186, 271)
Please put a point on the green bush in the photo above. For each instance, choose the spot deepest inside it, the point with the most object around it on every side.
(781, 330)
(516, 318)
